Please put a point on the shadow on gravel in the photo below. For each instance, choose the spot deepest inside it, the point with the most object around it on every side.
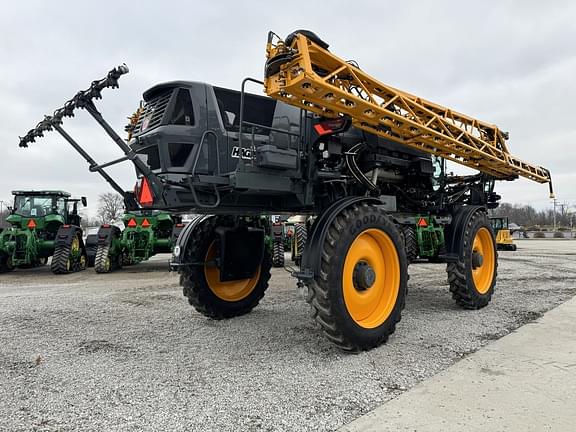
(94, 346)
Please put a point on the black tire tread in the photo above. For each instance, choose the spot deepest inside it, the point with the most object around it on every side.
(195, 287)
(4, 267)
(318, 288)
(278, 254)
(102, 253)
(411, 243)
(60, 260)
(300, 237)
(461, 286)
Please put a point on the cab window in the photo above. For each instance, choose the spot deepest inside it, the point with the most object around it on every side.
(183, 113)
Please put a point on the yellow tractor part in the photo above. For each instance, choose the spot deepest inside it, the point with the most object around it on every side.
(371, 305)
(483, 274)
(504, 239)
(312, 78)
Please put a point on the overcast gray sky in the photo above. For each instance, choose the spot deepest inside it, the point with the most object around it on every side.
(512, 63)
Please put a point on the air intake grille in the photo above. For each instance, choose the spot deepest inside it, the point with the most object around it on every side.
(153, 112)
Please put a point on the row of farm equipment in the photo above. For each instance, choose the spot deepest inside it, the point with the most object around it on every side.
(46, 224)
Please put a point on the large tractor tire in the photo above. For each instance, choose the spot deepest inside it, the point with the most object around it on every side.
(359, 293)
(473, 277)
(202, 285)
(126, 260)
(70, 256)
(410, 242)
(104, 262)
(278, 253)
(299, 240)
(6, 263)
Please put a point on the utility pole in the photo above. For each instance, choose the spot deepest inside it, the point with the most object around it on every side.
(570, 213)
(554, 214)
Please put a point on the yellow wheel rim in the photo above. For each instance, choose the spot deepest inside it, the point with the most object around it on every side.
(229, 291)
(82, 262)
(483, 274)
(68, 264)
(107, 264)
(75, 247)
(370, 304)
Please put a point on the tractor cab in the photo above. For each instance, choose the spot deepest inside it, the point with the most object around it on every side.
(44, 208)
(43, 224)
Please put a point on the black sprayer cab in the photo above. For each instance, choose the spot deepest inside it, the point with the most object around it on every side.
(286, 160)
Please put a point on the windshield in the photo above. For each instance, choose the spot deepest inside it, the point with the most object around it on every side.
(38, 206)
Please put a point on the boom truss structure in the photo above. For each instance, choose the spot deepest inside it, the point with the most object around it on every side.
(302, 72)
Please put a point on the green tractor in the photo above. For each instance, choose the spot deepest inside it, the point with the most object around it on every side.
(43, 225)
(146, 233)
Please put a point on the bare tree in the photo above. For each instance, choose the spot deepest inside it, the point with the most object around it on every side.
(4, 212)
(110, 207)
(528, 216)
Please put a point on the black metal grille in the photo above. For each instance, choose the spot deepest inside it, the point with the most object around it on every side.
(153, 112)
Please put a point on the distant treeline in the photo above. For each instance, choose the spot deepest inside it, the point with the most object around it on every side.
(528, 217)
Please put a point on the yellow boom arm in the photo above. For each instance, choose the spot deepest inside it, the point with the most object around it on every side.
(302, 72)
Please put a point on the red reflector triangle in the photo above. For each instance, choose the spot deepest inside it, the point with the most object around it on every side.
(146, 197)
(132, 223)
(422, 222)
(31, 224)
(145, 223)
(320, 130)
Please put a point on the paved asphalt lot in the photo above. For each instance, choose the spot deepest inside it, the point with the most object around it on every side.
(124, 351)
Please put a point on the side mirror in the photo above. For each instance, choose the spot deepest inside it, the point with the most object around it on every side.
(84, 201)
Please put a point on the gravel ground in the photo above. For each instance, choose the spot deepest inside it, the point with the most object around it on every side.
(124, 351)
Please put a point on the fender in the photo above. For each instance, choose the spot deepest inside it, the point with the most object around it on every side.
(182, 242)
(106, 233)
(176, 231)
(65, 235)
(310, 265)
(454, 232)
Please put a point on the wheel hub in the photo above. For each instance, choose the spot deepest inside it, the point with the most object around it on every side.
(364, 276)
(477, 260)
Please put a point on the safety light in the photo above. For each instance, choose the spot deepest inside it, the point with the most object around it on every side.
(145, 223)
(132, 223)
(422, 223)
(329, 126)
(31, 224)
